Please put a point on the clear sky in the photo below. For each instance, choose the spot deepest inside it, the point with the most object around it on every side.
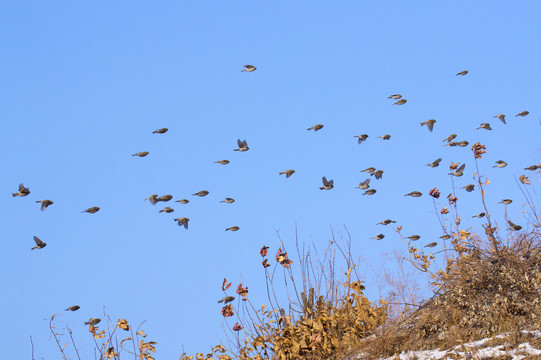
(84, 84)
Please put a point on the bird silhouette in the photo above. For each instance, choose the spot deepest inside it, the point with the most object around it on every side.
(243, 146)
(153, 199)
(522, 113)
(386, 222)
(378, 237)
(92, 322)
(223, 162)
(327, 185)
(429, 124)
(141, 154)
(434, 163)
(73, 308)
(226, 299)
(378, 174)
(92, 210)
(39, 244)
(167, 209)
(164, 198)
(45, 203)
(232, 228)
(462, 73)
(201, 193)
(182, 221)
(361, 138)
(228, 200)
(363, 185)
(469, 187)
(249, 68)
(500, 164)
(501, 117)
(401, 102)
(485, 126)
(459, 171)
(506, 201)
(287, 173)
(183, 201)
(414, 194)
(395, 96)
(385, 137)
(450, 138)
(316, 127)
(23, 191)
(370, 192)
(160, 131)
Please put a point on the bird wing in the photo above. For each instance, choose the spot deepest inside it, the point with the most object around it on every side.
(38, 241)
(366, 182)
(430, 125)
(331, 183)
(21, 187)
(239, 143)
(325, 182)
(437, 161)
(461, 168)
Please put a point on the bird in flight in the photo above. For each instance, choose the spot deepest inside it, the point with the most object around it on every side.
(249, 68)
(39, 244)
(45, 203)
(327, 185)
(23, 191)
(243, 146)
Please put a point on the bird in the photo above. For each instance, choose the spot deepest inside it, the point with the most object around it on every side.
(386, 222)
(459, 171)
(153, 199)
(522, 113)
(23, 191)
(160, 131)
(92, 210)
(228, 200)
(73, 308)
(92, 322)
(39, 244)
(182, 221)
(223, 162)
(141, 154)
(469, 188)
(413, 237)
(463, 143)
(369, 170)
(506, 201)
(401, 102)
(362, 138)
(378, 237)
(287, 173)
(243, 146)
(249, 68)
(462, 73)
(532, 168)
(316, 127)
(414, 194)
(327, 185)
(480, 215)
(226, 299)
(451, 143)
(370, 192)
(232, 228)
(501, 117)
(385, 137)
(500, 164)
(395, 96)
(201, 193)
(183, 201)
(429, 123)
(445, 237)
(431, 245)
(363, 185)
(378, 174)
(485, 126)
(450, 138)
(164, 198)
(167, 209)
(45, 203)
(513, 227)
(434, 163)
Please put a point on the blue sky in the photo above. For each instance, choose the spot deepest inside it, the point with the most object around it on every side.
(83, 85)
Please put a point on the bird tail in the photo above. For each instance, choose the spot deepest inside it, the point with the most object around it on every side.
(14, 194)
(422, 123)
(236, 149)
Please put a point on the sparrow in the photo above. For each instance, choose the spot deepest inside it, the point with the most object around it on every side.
(451, 143)
(23, 191)
(531, 168)
(501, 117)
(445, 237)
(316, 127)
(232, 228)
(183, 201)
(500, 164)
(378, 237)
(287, 173)
(434, 163)
(92, 210)
(362, 138)
(153, 199)
(327, 185)
(364, 184)
(429, 123)
(249, 68)
(141, 154)
(431, 245)
(522, 113)
(469, 188)
(369, 170)
(395, 96)
(459, 171)
(167, 209)
(485, 126)
(370, 192)
(401, 102)
(463, 143)
(160, 131)
(39, 244)
(414, 194)
(73, 308)
(45, 203)
(226, 299)
(378, 174)
(243, 146)
(386, 222)
(513, 227)
(413, 237)
(182, 221)
(228, 200)
(92, 322)
(223, 162)
(506, 201)
(385, 137)
(450, 138)
(201, 193)
(462, 73)
(480, 215)
(164, 198)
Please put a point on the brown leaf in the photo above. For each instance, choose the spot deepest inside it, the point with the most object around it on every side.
(435, 193)
(225, 285)
(264, 250)
(444, 211)
(123, 324)
(237, 327)
(227, 311)
(524, 179)
(265, 263)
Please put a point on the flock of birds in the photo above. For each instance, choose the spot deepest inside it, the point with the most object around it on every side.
(327, 184)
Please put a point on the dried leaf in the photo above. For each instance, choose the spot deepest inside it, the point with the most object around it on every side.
(123, 324)
(444, 211)
(435, 193)
(225, 285)
(237, 327)
(264, 250)
(227, 311)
